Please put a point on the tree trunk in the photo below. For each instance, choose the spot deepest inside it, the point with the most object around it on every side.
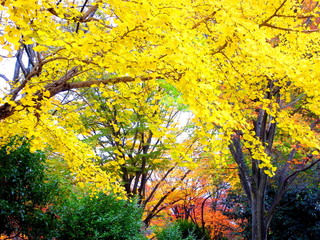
(259, 225)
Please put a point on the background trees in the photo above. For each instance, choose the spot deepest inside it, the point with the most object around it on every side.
(200, 199)
(298, 215)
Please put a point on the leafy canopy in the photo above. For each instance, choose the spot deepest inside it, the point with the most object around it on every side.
(228, 58)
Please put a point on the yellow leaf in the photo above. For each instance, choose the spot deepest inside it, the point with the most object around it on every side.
(18, 108)
(40, 48)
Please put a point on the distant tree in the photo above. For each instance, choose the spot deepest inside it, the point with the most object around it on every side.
(200, 197)
(241, 213)
(136, 137)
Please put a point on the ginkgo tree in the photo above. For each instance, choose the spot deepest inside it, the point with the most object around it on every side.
(247, 68)
(265, 104)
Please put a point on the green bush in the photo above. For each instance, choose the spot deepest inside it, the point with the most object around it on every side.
(182, 230)
(34, 205)
(190, 227)
(100, 217)
(25, 193)
(171, 232)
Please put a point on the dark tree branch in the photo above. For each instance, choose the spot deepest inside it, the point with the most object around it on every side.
(204, 20)
(237, 154)
(202, 213)
(157, 186)
(164, 207)
(301, 170)
(154, 209)
(290, 29)
(20, 63)
(31, 56)
(273, 15)
(82, 8)
(16, 72)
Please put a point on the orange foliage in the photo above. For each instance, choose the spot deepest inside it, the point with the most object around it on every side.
(16, 237)
(207, 212)
(200, 197)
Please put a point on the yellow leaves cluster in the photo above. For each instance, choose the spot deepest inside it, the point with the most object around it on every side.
(299, 130)
(57, 135)
(217, 53)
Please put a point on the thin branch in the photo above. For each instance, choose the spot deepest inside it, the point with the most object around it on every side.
(302, 170)
(157, 185)
(293, 102)
(290, 29)
(273, 15)
(84, 5)
(164, 207)
(154, 209)
(219, 49)
(16, 72)
(30, 55)
(78, 24)
(292, 16)
(4, 77)
(204, 20)
(21, 65)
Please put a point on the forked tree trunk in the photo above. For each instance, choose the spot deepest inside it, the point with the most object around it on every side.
(254, 182)
(253, 179)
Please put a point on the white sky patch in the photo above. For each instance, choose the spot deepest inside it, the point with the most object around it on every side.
(184, 119)
(6, 69)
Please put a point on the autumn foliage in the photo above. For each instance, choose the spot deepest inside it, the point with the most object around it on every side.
(246, 70)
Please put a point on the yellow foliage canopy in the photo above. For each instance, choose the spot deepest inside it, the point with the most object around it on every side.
(228, 58)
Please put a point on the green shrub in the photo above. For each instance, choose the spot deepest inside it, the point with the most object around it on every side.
(34, 205)
(298, 215)
(188, 227)
(25, 193)
(171, 232)
(100, 217)
(182, 230)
